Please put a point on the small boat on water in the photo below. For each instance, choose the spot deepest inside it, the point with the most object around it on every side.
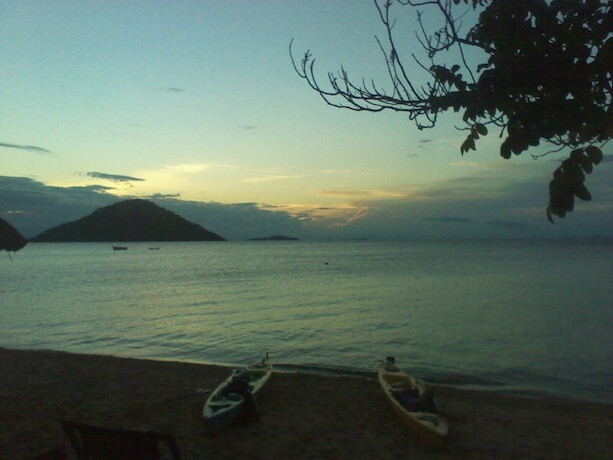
(120, 248)
(226, 401)
(156, 248)
(413, 403)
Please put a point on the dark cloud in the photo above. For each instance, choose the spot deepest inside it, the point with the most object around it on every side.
(30, 148)
(162, 196)
(34, 206)
(238, 221)
(423, 144)
(93, 188)
(507, 203)
(170, 89)
(449, 219)
(113, 177)
(507, 225)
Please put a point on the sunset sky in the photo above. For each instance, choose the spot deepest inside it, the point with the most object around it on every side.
(196, 105)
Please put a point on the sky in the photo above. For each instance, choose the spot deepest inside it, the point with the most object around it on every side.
(195, 105)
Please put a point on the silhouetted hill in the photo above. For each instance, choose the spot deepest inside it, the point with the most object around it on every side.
(130, 220)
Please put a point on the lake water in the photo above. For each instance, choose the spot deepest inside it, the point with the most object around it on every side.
(532, 317)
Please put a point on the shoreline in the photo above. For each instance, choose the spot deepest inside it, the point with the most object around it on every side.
(463, 382)
(303, 415)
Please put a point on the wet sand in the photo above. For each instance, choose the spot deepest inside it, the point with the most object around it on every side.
(302, 415)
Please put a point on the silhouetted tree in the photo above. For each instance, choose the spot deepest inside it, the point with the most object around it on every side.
(546, 76)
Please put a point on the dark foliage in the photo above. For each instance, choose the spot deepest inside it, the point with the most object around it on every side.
(130, 220)
(546, 77)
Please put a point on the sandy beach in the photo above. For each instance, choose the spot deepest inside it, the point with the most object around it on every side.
(302, 415)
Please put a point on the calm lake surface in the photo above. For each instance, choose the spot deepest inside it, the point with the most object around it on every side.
(533, 317)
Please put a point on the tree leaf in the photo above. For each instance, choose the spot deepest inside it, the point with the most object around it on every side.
(481, 129)
(517, 146)
(587, 166)
(505, 150)
(549, 215)
(582, 192)
(594, 154)
(544, 75)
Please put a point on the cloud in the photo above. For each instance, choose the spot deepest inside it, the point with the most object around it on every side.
(170, 89)
(170, 174)
(360, 213)
(423, 144)
(495, 203)
(162, 196)
(191, 168)
(270, 178)
(343, 193)
(466, 164)
(507, 225)
(174, 178)
(247, 127)
(94, 188)
(449, 219)
(337, 171)
(326, 215)
(113, 177)
(34, 206)
(30, 148)
(237, 221)
(370, 194)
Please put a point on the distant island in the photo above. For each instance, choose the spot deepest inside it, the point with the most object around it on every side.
(274, 238)
(130, 220)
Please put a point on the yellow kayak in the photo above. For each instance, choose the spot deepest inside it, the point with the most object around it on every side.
(413, 403)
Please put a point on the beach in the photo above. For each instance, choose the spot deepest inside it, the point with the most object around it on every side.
(301, 415)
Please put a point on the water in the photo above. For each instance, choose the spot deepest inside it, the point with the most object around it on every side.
(532, 317)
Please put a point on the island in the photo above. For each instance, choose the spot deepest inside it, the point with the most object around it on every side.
(128, 221)
(274, 238)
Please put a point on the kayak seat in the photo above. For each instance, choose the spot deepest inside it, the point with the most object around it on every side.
(403, 386)
(407, 399)
(226, 397)
(251, 377)
(415, 402)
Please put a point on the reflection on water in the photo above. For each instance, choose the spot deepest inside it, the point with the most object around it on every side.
(511, 314)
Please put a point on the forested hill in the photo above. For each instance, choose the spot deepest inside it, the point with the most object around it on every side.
(130, 220)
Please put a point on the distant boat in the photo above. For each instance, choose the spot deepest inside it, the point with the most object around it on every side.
(120, 248)
(155, 248)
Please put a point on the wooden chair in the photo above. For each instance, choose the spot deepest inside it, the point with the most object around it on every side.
(97, 443)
